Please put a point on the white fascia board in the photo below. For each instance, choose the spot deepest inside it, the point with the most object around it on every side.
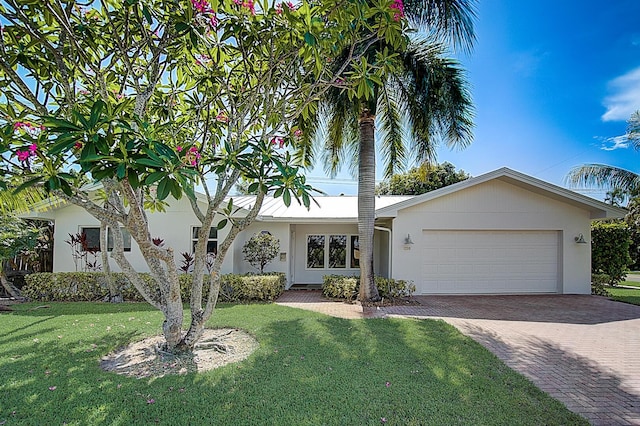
(597, 209)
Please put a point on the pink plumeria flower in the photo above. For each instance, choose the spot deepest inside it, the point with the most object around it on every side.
(297, 133)
(151, 401)
(200, 5)
(23, 155)
(77, 145)
(399, 6)
(52, 388)
(383, 419)
(33, 148)
(222, 117)
(277, 141)
(179, 148)
(387, 384)
(192, 156)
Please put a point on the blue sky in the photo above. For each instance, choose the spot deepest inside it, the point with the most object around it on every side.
(553, 83)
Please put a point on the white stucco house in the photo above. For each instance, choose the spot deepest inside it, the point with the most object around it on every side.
(503, 232)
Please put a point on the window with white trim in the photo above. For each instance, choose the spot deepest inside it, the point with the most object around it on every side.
(332, 251)
(92, 235)
(212, 241)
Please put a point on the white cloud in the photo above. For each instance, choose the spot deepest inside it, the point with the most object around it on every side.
(625, 98)
(616, 142)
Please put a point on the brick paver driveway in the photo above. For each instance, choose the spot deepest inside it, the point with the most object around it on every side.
(582, 350)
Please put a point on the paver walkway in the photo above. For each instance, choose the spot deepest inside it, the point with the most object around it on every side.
(582, 350)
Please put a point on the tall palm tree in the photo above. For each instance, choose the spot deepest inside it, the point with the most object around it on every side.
(605, 176)
(428, 92)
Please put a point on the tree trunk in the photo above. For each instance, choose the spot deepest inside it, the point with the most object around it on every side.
(10, 288)
(366, 206)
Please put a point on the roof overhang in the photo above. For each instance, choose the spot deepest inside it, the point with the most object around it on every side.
(597, 209)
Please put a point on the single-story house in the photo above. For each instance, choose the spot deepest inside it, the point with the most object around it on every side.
(503, 232)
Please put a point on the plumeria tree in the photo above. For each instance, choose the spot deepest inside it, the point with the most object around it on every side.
(151, 98)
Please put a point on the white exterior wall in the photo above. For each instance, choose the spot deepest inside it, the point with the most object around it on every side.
(496, 205)
(300, 273)
(173, 226)
(278, 230)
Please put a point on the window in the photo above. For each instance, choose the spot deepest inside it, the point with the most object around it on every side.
(337, 251)
(212, 241)
(92, 235)
(332, 252)
(355, 252)
(315, 251)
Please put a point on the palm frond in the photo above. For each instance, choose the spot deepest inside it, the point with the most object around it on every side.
(340, 112)
(305, 153)
(604, 176)
(16, 200)
(392, 145)
(437, 99)
(451, 21)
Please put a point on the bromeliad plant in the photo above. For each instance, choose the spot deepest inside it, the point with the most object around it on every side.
(151, 98)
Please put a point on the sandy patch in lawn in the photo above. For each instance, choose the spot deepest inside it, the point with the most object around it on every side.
(143, 359)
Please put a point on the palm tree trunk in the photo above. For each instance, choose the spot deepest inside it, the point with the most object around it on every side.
(366, 206)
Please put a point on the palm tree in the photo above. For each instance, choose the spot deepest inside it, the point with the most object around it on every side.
(605, 176)
(427, 90)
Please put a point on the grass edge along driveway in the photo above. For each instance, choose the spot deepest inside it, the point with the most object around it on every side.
(310, 369)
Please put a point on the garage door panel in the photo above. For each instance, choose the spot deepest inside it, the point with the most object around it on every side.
(485, 262)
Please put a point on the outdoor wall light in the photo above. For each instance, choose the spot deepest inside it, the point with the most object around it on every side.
(579, 239)
(407, 240)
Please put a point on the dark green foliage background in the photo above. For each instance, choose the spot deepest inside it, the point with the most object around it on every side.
(610, 249)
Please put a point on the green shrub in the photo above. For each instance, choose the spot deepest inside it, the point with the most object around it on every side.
(65, 286)
(610, 250)
(92, 286)
(346, 287)
(340, 287)
(598, 284)
(261, 249)
(393, 289)
(248, 288)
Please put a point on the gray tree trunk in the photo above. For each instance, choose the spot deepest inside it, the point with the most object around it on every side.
(366, 206)
(10, 288)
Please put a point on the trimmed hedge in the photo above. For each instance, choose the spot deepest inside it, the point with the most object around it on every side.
(340, 286)
(347, 287)
(610, 250)
(92, 286)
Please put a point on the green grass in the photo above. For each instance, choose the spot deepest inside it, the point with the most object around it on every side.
(627, 295)
(310, 369)
(631, 283)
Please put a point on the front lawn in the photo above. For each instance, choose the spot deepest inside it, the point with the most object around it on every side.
(627, 295)
(630, 283)
(310, 369)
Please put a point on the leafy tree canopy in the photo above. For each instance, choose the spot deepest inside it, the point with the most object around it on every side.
(152, 97)
(261, 249)
(421, 179)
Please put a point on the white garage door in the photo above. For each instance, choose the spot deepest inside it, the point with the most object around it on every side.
(485, 262)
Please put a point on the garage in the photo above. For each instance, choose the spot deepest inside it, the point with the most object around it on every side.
(488, 262)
